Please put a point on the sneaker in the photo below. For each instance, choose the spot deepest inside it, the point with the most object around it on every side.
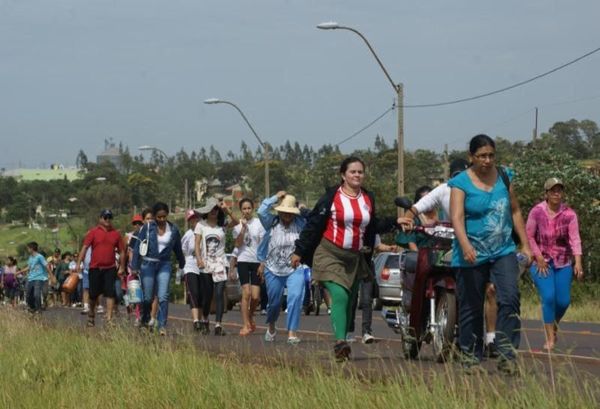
(85, 311)
(197, 326)
(151, 323)
(263, 312)
(490, 351)
(368, 338)
(293, 340)
(270, 337)
(137, 323)
(508, 367)
(90, 322)
(473, 369)
(471, 365)
(350, 338)
(205, 328)
(328, 311)
(342, 351)
(219, 331)
(162, 331)
(74, 305)
(100, 309)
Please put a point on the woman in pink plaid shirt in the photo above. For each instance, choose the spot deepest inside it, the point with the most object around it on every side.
(553, 234)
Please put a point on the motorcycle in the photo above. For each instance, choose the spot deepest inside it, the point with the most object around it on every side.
(428, 308)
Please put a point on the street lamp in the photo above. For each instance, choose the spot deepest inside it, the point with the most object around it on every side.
(398, 88)
(265, 147)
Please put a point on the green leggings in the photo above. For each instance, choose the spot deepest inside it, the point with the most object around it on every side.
(341, 307)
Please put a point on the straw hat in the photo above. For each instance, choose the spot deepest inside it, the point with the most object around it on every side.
(288, 205)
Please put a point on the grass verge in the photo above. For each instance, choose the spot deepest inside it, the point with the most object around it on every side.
(45, 366)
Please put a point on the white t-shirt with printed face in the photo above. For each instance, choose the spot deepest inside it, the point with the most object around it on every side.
(252, 238)
(281, 248)
(213, 250)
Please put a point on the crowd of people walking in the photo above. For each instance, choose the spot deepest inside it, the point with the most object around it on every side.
(276, 248)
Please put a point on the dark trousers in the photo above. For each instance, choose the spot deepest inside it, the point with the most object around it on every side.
(207, 288)
(471, 282)
(34, 294)
(366, 305)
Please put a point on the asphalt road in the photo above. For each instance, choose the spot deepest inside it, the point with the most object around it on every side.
(578, 348)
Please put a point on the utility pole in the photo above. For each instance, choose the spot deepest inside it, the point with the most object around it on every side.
(400, 107)
(446, 163)
(535, 129)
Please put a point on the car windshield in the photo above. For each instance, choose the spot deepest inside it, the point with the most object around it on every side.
(392, 261)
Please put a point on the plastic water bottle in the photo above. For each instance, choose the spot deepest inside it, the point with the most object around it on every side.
(178, 276)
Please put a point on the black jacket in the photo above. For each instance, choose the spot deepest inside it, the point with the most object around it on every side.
(311, 235)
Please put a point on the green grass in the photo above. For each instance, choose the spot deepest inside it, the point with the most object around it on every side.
(13, 236)
(45, 367)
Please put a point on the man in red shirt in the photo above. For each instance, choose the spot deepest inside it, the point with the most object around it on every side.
(105, 242)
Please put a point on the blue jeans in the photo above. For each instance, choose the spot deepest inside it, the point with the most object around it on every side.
(34, 294)
(155, 281)
(554, 290)
(471, 281)
(275, 286)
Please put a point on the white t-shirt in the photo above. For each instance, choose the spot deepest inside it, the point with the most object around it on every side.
(438, 197)
(163, 241)
(252, 237)
(213, 251)
(187, 245)
(281, 248)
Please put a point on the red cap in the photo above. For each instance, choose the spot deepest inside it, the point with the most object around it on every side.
(190, 214)
(137, 218)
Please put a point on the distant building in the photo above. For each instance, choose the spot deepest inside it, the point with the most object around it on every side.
(56, 172)
(112, 155)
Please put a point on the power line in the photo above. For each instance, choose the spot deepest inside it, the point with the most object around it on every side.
(487, 94)
(364, 128)
(518, 84)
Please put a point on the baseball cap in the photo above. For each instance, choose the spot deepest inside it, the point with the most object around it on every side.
(191, 213)
(106, 213)
(551, 182)
(137, 219)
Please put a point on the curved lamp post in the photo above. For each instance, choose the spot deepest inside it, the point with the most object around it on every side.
(398, 89)
(265, 147)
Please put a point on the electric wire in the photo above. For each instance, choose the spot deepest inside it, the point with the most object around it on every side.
(364, 128)
(487, 94)
(498, 91)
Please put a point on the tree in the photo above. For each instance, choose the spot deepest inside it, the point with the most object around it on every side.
(82, 160)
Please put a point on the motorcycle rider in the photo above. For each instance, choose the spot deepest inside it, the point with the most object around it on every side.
(438, 198)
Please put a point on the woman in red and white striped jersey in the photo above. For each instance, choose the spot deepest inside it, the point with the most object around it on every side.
(338, 242)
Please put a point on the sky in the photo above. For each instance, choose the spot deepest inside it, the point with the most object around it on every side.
(73, 73)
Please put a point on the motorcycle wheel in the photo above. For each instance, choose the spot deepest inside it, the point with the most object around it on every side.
(410, 345)
(446, 315)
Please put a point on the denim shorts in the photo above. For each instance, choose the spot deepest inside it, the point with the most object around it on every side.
(86, 280)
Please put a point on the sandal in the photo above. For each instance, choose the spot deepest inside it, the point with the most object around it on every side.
(245, 332)
(252, 326)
